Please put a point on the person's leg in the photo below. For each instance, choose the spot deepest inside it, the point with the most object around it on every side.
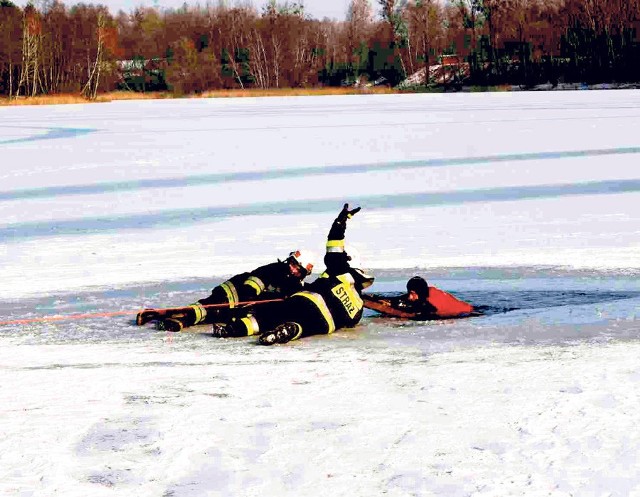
(204, 311)
(250, 321)
(306, 314)
(148, 315)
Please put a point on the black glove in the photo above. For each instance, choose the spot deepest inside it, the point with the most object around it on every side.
(345, 213)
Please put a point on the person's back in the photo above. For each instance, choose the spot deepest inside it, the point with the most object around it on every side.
(446, 305)
(342, 296)
(276, 280)
(332, 301)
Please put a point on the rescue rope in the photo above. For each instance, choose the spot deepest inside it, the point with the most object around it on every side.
(44, 319)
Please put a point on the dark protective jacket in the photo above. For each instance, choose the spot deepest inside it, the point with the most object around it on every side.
(331, 302)
(272, 281)
(337, 291)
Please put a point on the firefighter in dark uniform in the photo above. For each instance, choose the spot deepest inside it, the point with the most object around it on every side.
(331, 302)
(272, 281)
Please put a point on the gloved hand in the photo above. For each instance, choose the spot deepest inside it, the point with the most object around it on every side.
(345, 213)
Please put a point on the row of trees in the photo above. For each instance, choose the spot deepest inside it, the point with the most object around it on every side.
(53, 48)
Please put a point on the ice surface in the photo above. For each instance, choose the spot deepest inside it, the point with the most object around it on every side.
(523, 204)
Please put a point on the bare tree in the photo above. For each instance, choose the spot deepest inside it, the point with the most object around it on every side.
(233, 27)
(31, 44)
(56, 48)
(10, 43)
(90, 88)
(426, 24)
(358, 32)
(393, 14)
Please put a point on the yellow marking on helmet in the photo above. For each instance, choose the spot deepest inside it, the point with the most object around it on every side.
(335, 245)
(200, 311)
(232, 295)
(322, 307)
(251, 325)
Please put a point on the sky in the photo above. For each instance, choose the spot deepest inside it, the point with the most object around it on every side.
(318, 9)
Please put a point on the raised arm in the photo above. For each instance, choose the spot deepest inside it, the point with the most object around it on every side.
(336, 259)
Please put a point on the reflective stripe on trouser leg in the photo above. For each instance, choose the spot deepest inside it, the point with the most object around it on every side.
(251, 325)
(232, 294)
(322, 307)
(299, 332)
(335, 245)
(200, 312)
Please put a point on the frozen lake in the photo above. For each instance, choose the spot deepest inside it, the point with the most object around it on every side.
(524, 204)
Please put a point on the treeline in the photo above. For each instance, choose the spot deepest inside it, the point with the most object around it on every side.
(85, 48)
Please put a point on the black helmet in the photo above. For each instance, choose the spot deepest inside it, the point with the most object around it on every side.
(419, 285)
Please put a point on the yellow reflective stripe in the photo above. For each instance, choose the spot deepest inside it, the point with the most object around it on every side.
(335, 245)
(255, 286)
(297, 335)
(324, 275)
(347, 294)
(322, 306)
(251, 324)
(257, 281)
(200, 311)
(232, 294)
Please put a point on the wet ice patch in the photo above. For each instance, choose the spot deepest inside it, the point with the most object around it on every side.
(116, 435)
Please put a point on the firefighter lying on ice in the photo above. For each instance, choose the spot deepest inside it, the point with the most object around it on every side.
(272, 281)
(333, 301)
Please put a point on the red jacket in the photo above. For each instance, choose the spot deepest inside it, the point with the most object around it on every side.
(446, 304)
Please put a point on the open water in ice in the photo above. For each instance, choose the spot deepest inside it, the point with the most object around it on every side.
(517, 305)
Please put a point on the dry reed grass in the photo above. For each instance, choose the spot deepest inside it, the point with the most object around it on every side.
(286, 92)
(45, 100)
(252, 92)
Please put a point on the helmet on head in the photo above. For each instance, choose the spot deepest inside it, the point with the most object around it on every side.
(419, 285)
(353, 256)
(302, 259)
(362, 279)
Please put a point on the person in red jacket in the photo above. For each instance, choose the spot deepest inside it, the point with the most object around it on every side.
(435, 301)
(421, 302)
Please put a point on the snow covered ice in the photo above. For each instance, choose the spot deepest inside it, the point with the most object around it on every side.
(522, 203)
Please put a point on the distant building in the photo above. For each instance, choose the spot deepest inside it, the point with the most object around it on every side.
(450, 69)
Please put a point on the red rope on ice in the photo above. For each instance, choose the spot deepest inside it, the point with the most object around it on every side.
(44, 319)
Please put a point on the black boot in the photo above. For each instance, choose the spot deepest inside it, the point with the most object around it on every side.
(282, 333)
(147, 315)
(171, 324)
(221, 330)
